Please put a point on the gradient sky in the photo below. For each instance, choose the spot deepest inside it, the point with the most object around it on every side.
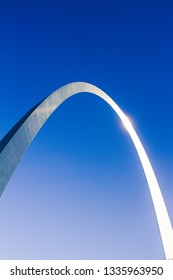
(80, 192)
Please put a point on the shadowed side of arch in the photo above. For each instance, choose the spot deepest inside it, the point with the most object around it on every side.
(18, 139)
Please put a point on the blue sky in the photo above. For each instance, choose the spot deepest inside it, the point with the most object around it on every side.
(80, 192)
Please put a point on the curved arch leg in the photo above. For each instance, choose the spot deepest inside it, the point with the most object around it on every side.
(18, 139)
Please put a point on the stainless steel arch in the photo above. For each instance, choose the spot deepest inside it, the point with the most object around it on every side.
(18, 139)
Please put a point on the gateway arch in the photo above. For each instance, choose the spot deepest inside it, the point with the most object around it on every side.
(18, 139)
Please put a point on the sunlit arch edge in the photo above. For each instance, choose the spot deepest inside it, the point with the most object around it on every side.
(18, 139)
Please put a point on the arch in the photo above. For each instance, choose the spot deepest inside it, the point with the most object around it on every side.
(18, 139)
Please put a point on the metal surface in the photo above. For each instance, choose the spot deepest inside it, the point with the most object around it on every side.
(18, 139)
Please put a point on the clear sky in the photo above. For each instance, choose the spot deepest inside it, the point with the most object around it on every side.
(80, 192)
